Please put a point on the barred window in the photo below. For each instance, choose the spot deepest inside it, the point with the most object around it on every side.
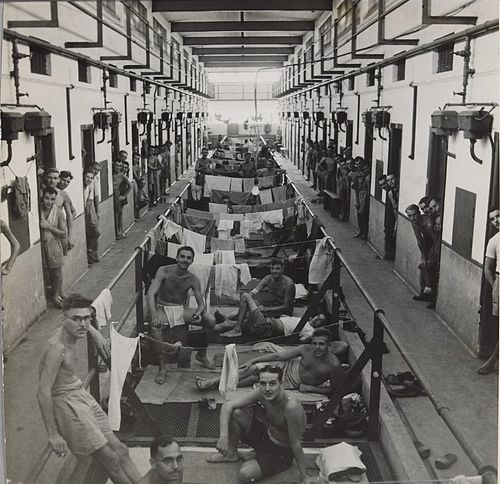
(370, 78)
(140, 19)
(113, 79)
(399, 70)
(445, 58)
(133, 84)
(39, 60)
(160, 33)
(325, 32)
(351, 83)
(109, 5)
(83, 71)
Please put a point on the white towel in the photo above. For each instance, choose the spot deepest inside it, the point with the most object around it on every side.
(245, 276)
(170, 228)
(218, 182)
(340, 459)
(226, 280)
(236, 185)
(239, 245)
(217, 208)
(467, 480)
(122, 352)
(290, 323)
(194, 240)
(224, 257)
(266, 196)
(224, 229)
(102, 306)
(172, 249)
(229, 375)
(202, 272)
(245, 226)
(321, 262)
(207, 259)
(255, 221)
(273, 217)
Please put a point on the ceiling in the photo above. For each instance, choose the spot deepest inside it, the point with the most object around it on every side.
(242, 33)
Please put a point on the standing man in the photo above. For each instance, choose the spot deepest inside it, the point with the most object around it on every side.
(154, 175)
(276, 437)
(65, 178)
(167, 300)
(423, 227)
(91, 208)
(491, 270)
(166, 462)
(121, 189)
(203, 164)
(361, 185)
(72, 417)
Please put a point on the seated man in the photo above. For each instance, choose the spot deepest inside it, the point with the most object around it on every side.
(166, 462)
(305, 367)
(247, 169)
(167, 300)
(72, 417)
(280, 292)
(270, 169)
(276, 438)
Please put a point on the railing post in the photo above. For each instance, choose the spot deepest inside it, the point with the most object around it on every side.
(139, 306)
(376, 375)
(336, 296)
(92, 356)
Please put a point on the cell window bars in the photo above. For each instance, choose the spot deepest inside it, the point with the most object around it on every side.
(399, 70)
(133, 85)
(39, 61)
(370, 78)
(445, 58)
(83, 71)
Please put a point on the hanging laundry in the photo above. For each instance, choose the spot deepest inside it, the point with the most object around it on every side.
(153, 235)
(273, 217)
(224, 257)
(102, 305)
(172, 250)
(218, 182)
(244, 277)
(194, 240)
(122, 352)
(170, 228)
(232, 216)
(266, 181)
(245, 226)
(255, 221)
(240, 247)
(321, 262)
(279, 193)
(199, 213)
(207, 259)
(248, 184)
(266, 196)
(238, 209)
(202, 272)
(200, 225)
(309, 223)
(236, 198)
(221, 244)
(224, 229)
(161, 247)
(236, 185)
(229, 375)
(226, 280)
(196, 192)
(217, 208)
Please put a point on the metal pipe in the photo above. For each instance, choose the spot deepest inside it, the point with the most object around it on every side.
(445, 149)
(125, 109)
(467, 71)
(380, 134)
(68, 121)
(472, 153)
(413, 121)
(9, 154)
(358, 116)
(15, 72)
(103, 137)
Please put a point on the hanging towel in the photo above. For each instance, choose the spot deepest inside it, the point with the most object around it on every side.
(273, 217)
(221, 244)
(229, 375)
(244, 276)
(153, 235)
(236, 185)
(194, 240)
(309, 223)
(217, 182)
(170, 228)
(207, 259)
(321, 262)
(172, 250)
(102, 306)
(248, 184)
(217, 208)
(266, 181)
(245, 226)
(224, 229)
(226, 280)
(239, 245)
(243, 208)
(202, 272)
(266, 196)
(199, 225)
(224, 257)
(279, 193)
(340, 460)
(161, 247)
(232, 216)
(122, 352)
(255, 221)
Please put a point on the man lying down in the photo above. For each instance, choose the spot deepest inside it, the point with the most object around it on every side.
(305, 368)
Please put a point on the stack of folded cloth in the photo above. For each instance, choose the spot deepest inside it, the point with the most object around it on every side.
(341, 462)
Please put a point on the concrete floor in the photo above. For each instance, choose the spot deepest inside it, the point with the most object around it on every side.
(445, 361)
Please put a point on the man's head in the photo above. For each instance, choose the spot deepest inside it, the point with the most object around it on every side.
(392, 181)
(204, 152)
(412, 212)
(248, 157)
(51, 177)
(96, 168)
(424, 205)
(277, 267)
(382, 182)
(88, 178)
(122, 155)
(320, 341)
(49, 195)
(136, 158)
(77, 315)
(125, 168)
(65, 178)
(166, 460)
(435, 206)
(270, 379)
(318, 321)
(117, 166)
(494, 217)
(185, 256)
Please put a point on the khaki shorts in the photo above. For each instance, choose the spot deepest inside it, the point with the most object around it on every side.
(81, 422)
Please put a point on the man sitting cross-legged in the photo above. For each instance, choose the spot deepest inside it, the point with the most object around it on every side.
(281, 290)
(305, 367)
(72, 417)
(276, 436)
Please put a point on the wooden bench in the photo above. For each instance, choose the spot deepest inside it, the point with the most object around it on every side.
(332, 202)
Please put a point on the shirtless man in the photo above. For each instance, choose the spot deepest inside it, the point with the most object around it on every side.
(203, 163)
(65, 178)
(305, 367)
(121, 188)
(276, 440)
(247, 169)
(282, 291)
(270, 169)
(72, 417)
(166, 462)
(167, 300)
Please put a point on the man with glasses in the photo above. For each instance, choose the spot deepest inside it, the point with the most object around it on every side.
(275, 433)
(72, 417)
(166, 462)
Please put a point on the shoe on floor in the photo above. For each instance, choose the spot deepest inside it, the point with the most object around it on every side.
(424, 297)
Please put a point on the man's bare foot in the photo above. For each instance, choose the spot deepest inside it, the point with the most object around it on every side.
(205, 383)
(232, 333)
(204, 361)
(161, 377)
(219, 458)
(484, 369)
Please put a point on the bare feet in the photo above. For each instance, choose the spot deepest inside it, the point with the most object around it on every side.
(204, 361)
(233, 333)
(161, 377)
(205, 383)
(219, 458)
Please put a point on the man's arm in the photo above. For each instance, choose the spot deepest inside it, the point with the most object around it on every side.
(295, 419)
(199, 298)
(260, 286)
(101, 342)
(490, 270)
(279, 356)
(54, 358)
(69, 216)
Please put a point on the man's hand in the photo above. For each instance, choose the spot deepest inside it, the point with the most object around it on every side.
(121, 198)
(160, 319)
(103, 345)
(247, 365)
(44, 224)
(222, 445)
(58, 445)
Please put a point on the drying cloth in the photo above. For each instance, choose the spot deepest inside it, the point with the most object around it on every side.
(217, 182)
(229, 375)
(199, 213)
(199, 225)
(245, 276)
(172, 250)
(194, 240)
(467, 480)
(207, 259)
(255, 221)
(301, 210)
(226, 280)
(170, 228)
(217, 208)
(122, 352)
(149, 391)
(175, 314)
(224, 229)
(236, 185)
(290, 323)
(221, 244)
(273, 217)
(321, 262)
(196, 191)
(202, 273)
(245, 226)
(266, 181)
(309, 223)
(338, 461)
(236, 198)
(102, 306)
(237, 217)
(161, 247)
(279, 193)
(266, 196)
(248, 184)
(153, 235)
(224, 257)
(267, 347)
(300, 291)
(239, 245)
(242, 208)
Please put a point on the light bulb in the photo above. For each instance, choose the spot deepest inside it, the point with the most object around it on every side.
(255, 190)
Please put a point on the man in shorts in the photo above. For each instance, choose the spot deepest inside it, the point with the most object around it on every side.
(275, 435)
(121, 188)
(166, 462)
(72, 417)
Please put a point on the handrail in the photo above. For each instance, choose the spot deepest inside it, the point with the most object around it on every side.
(488, 472)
